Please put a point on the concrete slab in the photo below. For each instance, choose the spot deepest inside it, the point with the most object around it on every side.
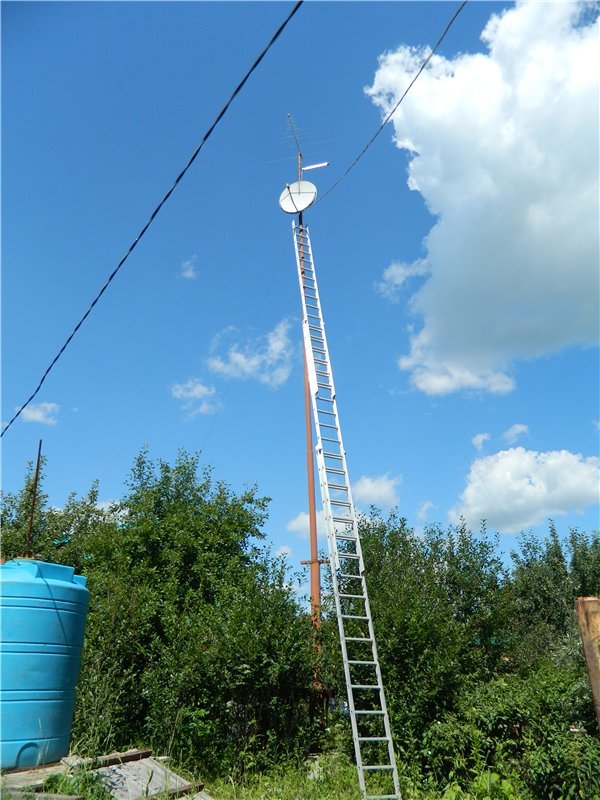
(144, 778)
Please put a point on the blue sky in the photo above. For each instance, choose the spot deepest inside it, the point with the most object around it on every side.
(457, 263)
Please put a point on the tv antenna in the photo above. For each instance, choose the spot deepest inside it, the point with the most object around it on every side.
(371, 731)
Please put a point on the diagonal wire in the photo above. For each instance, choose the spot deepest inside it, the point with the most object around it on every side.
(133, 245)
(393, 111)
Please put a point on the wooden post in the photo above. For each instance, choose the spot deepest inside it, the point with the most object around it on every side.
(588, 617)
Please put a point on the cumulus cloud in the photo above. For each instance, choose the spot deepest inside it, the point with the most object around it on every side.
(188, 268)
(504, 150)
(516, 488)
(424, 509)
(396, 275)
(512, 434)
(285, 550)
(267, 359)
(380, 490)
(44, 413)
(300, 524)
(197, 398)
(478, 440)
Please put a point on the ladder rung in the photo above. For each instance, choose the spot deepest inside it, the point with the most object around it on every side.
(356, 597)
(374, 713)
(382, 797)
(373, 739)
(373, 767)
(337, 486)
(349, 520)
(322, 411)
(348, 575)
(345, 537)
(353, 616)
(327, 425)
(332, 455)
(322, 385)
(349, 555)
(325, 400)
(364, 663)
(321, 361)
(329, 439)
(334, 471)
(364, 686)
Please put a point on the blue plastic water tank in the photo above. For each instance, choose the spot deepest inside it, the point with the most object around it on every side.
(43, 611)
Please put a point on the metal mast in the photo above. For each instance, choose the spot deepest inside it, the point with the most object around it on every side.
(371, 731)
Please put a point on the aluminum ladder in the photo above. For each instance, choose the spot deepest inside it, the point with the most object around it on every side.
(371, 732)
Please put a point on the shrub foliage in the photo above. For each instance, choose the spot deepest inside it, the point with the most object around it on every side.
(197, 645)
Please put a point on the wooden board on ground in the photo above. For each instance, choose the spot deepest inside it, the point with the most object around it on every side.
(20, 794)
(31, 778)
(105, 761)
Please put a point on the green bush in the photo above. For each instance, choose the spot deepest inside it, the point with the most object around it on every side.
(196, 644)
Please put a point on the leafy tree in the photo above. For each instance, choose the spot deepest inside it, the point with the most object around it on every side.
(194, 640)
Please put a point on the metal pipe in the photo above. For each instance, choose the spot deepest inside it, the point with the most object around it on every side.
(34, 495)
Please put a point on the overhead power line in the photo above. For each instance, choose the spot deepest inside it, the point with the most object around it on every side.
(394, 109)
(133, 245)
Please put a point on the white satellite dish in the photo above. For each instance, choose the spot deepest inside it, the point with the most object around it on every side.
(297, 197)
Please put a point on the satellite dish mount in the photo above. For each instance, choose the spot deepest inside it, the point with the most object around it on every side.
(298, 196)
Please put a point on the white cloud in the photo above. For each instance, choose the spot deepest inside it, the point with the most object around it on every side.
(504, 151)
(197, 397)
(478, 440)
(44, 413)
(512, 434)
(397, 274)
(267, 360)
(516, 488)
(424, 509)
(106, 505)
(284, 550)
(380, 490)
(188, 268)
(300, 525)
(596, 424)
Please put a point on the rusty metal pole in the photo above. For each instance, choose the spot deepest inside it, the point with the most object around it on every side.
(33, 497)
(315, 564)
(588, 618)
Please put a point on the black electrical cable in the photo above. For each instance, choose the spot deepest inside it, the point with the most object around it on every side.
(219, 117)
(393, 111)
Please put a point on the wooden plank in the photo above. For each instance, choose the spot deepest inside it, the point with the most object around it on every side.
(32, 778)
(108, 760)
(588, 618)
(19, 794)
